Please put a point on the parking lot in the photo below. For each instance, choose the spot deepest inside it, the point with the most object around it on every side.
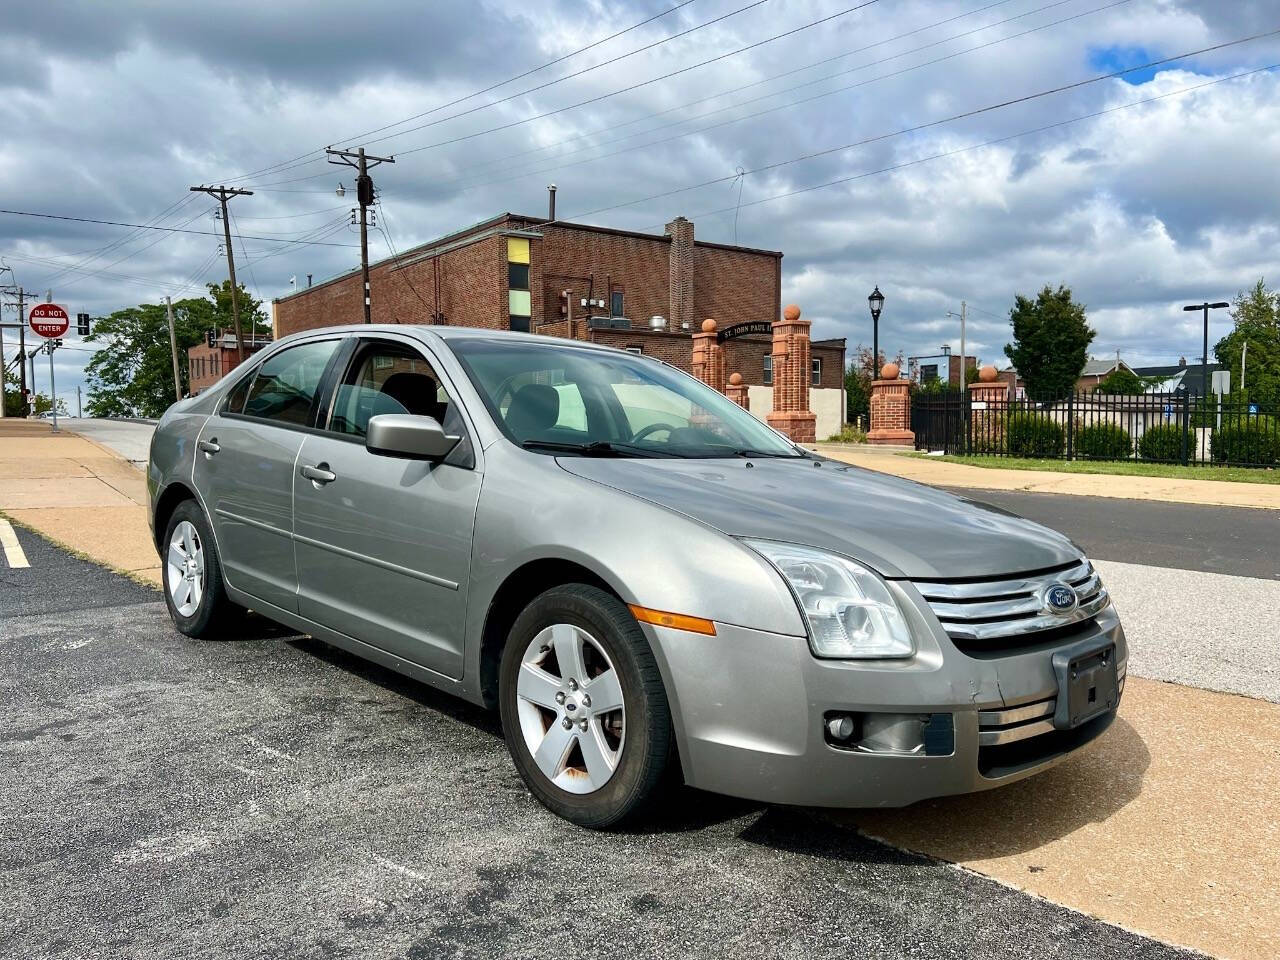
(272, 796)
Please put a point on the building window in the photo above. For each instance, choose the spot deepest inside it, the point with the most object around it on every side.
(928, 372)
(639, 351)
(817, 371)
(616, 305)
(768, 370)
(519, 300)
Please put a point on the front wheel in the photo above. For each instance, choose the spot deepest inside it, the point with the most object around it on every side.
(193, 588)
(584, 711)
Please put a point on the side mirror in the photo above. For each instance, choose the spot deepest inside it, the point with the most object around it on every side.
(409, 436)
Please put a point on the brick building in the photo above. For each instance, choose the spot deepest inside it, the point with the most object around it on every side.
(209, 362)
(646, 293)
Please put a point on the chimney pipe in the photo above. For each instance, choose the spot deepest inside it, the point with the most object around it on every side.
(551, 202)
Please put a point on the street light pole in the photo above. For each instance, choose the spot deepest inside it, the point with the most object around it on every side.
(876, 302)
(1204, 357)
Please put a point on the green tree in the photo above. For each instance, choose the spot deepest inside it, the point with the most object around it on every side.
(13, 406)
(1051, 338)
(1256, 313)
(1122, 382)
(44, 405)
(131, 375)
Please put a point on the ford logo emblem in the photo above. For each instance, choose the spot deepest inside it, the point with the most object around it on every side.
(1059, 598)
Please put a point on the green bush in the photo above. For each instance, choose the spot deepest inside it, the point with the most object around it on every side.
(1034, 435)
(1163, 442)
(1104, 441)
(849, 433)
(1254, 440)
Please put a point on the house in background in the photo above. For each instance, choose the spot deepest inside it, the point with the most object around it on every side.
(209, 362)
(1095, 371)
(1189, 377)
(924, 370)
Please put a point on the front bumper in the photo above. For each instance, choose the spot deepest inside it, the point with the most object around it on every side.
(748, 708)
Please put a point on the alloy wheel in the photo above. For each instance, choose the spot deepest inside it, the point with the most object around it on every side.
(185, 562)
(570, 704)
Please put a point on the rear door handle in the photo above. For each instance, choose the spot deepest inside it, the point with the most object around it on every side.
(319, 474)
(209, 447)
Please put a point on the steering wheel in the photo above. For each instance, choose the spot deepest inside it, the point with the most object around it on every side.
(652, 428)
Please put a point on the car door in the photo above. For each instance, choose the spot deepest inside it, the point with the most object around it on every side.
(383, 543)
(244, 469)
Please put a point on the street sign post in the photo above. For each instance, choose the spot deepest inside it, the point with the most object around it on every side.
(49, 320)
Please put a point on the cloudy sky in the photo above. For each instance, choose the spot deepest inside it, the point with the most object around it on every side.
(1161, 191)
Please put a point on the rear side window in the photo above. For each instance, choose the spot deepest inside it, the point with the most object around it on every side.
(286, 383)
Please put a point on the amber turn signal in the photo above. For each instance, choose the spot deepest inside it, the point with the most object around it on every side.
(676, 621)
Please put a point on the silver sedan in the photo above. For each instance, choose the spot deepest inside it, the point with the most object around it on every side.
(639, 575)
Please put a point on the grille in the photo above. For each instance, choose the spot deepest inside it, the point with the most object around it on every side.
(998, 614)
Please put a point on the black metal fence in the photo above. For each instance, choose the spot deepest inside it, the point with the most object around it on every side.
(1153, 427)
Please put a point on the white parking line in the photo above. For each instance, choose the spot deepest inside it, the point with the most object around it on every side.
(12, 548)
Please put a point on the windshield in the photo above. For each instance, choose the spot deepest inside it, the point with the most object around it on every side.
(563, 399)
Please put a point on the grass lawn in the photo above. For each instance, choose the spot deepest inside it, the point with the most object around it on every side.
(1128, 468)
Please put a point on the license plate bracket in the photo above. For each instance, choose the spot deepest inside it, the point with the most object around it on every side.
(1088, 685)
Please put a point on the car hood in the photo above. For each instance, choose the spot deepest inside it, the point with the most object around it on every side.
(898, 527)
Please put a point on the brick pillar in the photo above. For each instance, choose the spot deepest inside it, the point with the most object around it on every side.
(737, 391)
(989, 401)
(890, 408)
(708, 357)
(680, 274)
(792, 372)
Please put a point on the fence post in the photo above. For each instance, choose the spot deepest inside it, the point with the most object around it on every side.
(1186, 423)
(1071, 424)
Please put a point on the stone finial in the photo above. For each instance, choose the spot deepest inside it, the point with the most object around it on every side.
(735, 379)
(889, 371)
(988, 374)
(708, 325)
(791, 313)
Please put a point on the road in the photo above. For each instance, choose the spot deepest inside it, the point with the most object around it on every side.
(166, 797)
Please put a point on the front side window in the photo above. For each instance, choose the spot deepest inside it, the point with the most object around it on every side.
(389, 378)
(556, 398)
(286, 383)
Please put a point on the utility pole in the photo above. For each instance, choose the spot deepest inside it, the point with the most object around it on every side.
(173, 349)
(1204, 358)
(224, 194)
(364, 193)
(79, 409)
(14, 290)
(964, 386)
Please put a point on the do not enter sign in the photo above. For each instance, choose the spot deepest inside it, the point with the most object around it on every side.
(49, 320)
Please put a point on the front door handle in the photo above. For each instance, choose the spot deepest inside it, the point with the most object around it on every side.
(319, 474)
(209, 447)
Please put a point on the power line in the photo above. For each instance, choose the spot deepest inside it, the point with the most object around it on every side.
(746, 86)
(590, 100)
(143, 226)
(986, 143)
(494, 86)
(794, 103)
(1026, 98)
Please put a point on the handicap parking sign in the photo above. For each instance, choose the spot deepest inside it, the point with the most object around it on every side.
(1168, 411)
(1253, 409)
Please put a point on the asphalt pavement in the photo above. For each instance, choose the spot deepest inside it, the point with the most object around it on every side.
(129, 438)
(272, 796)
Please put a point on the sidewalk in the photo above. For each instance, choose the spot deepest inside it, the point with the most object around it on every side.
(939, 473)
(78, 494)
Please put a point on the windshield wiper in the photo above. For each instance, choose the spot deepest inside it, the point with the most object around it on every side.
(595, 448)
(747, 452)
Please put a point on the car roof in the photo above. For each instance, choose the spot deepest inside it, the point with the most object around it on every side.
(447, 333)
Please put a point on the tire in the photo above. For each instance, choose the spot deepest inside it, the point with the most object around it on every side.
(199, 609)
(604, 773)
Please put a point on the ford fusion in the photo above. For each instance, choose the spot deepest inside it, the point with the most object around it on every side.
(639, 575)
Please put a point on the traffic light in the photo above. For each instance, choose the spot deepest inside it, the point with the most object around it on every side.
(208, 338)
(82, 324)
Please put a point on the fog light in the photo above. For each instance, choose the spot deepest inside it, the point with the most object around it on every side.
(840, 726)
(893, 732)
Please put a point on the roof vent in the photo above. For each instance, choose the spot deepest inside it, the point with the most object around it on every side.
(657, 322)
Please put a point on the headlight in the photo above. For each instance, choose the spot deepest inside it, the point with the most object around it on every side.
(850, 612)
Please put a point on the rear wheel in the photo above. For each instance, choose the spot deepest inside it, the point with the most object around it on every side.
(193, 587)
(584, 711)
